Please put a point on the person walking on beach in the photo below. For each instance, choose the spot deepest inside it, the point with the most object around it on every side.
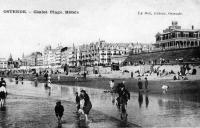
(59, 109)
(146, 83)
(87, 104)
(140, 85)
(3, 94)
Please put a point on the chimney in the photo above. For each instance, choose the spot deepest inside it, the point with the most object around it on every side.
(192, 27)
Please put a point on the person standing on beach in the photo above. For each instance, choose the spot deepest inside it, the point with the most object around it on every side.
(46, 76)
(49, 79)
(3, 94)
(112, 85)
(58, 76)
(3, 82)
(131, 74)
(146, 83)
(140, 85)
(84, 75)
(16, 79)
(87, 104)
(59, 109)
(22, 78)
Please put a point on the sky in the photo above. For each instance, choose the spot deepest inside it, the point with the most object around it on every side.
(109, 20)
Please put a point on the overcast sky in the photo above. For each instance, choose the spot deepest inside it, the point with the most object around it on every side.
(110, 20)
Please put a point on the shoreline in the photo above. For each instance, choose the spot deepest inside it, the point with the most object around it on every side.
(130, 83)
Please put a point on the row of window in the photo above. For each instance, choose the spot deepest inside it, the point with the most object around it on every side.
(177, 34)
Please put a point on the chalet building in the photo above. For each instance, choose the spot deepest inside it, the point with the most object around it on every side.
(174, 37)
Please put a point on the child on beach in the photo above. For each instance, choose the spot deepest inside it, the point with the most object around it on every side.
(59, 109)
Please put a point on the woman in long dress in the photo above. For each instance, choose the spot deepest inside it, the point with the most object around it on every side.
(87, 105)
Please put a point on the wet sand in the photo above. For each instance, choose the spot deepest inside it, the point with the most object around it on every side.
(37, 112)
(144, 109)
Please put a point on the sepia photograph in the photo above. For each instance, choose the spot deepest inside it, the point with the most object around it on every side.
(99, 63)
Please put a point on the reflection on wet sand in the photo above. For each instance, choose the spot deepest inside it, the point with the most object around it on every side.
(147, 99)
(113, 99)
(140, 99)
(36, 83)
(160, 107)
(80, 123)
(3, 115)
(47, 89)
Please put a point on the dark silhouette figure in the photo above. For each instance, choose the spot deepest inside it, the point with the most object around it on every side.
(140, 99)
(147, 100)
(59, 109)
(84, 75)
(3, 82)
(131, 74)
(146, 83)
(16, 79)
(140, 85)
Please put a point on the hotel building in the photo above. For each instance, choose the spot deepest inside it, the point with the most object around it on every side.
(174, 37)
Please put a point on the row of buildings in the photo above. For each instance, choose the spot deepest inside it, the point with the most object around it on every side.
(96, 53)
(104, 53)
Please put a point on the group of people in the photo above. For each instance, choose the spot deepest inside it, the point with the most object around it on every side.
(3, 92)
(17, 78)
(140, 84)
(83, 105)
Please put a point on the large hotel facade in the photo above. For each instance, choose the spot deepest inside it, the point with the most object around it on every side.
(174, 37)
